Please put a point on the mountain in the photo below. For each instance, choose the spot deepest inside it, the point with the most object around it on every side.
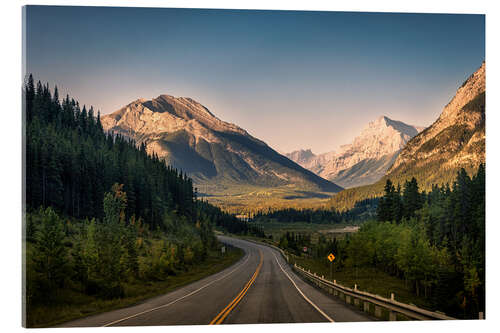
(301, 156)
(189, 137)
(455, 140)
(307, 159)
(366, 159)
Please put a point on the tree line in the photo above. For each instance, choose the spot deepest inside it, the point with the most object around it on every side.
(362, 211)
(71, 162)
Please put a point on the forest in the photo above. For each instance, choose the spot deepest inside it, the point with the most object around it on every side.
(434, 241)
(362, 211)
(102, 215)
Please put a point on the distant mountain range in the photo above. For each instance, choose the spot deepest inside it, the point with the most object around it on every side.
(455, 140)
(213, 152)
(189, 137)
(366, 159)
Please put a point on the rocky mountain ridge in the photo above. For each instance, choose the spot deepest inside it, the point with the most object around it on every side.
(366, 159)
(188, 136)
(459, 112)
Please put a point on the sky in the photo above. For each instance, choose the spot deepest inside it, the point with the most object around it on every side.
(295, 79)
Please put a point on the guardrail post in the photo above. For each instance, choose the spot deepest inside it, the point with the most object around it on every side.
(392, 296)
(348, 299)
(392, 316)
(355, 287)
(356, 301)
(366, 306)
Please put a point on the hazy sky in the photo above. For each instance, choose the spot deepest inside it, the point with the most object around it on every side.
(293, 79)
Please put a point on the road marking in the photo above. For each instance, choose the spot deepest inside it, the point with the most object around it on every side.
(300, 292)
(225, 312)
(180, 298)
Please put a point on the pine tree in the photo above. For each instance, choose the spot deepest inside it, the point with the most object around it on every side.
(108, 243)
(396, 205)
(411, 198)
(50, 255)
(385, 206)
(29, 96)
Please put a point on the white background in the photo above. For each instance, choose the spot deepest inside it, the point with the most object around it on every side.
(10, 185)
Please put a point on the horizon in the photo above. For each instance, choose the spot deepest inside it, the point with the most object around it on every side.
(340, 69)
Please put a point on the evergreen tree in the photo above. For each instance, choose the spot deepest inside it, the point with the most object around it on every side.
(411, 198)
(29, 92)
(50, 255)
(110, 242)
(396, 205)
(386, 205)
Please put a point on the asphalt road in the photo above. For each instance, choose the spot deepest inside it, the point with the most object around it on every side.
(259, 288)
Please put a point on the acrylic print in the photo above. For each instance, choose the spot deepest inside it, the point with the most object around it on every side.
(206, 167)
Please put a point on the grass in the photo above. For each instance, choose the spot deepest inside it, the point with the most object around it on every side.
(370, 280)
(78, 305)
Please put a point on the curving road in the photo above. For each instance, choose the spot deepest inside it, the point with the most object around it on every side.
(260, 288)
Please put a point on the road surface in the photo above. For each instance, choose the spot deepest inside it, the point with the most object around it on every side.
(259, 288)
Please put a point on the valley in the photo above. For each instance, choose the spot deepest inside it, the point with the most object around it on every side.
(244, 199)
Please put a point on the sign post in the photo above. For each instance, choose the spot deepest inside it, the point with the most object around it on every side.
(331, 257)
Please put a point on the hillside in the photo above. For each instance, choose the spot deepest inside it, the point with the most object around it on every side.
(455, 140)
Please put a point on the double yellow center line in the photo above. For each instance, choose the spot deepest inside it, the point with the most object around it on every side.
(224, 313)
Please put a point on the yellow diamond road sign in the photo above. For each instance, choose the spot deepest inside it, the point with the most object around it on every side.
(331, 257)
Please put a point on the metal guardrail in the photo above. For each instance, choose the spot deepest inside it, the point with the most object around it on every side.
(391, 305)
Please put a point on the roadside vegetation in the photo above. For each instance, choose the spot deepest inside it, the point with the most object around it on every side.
(426, 247)
(75, 268)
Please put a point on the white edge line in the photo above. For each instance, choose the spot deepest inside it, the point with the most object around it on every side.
(180, 298)
(300, 291)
